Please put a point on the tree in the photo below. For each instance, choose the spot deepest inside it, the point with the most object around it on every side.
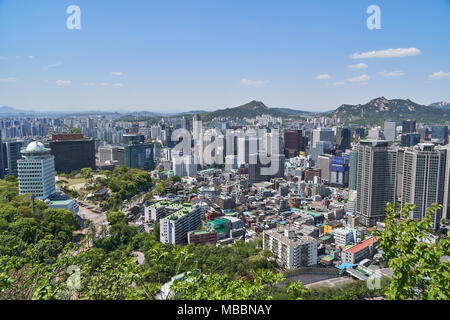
(86, 173)
(115, 217)
(214, 286)
(297, 289)
(419, 270)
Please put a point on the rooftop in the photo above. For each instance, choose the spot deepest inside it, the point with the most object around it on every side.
(360, 246)
(61, 202)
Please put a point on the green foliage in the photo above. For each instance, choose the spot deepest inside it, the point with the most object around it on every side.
(356, 290)
(116, 217)
(125, 183)
(419, 270)
(175, 179)
(198, 286)
(296, 289)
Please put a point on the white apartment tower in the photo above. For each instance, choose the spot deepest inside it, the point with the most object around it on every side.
(36, 171)
(291, 250)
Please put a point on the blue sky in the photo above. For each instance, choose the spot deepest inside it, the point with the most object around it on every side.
(207, 54)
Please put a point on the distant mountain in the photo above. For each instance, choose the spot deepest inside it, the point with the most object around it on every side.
(192, 112)
(442, 105)
(11, 110)
(380, 109)
(251, 110)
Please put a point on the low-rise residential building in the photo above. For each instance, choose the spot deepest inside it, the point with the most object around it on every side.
(202, 237)
(360, 251)
(344, 236)
(175, 227)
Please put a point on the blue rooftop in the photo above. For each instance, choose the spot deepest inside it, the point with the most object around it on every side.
(346, 265)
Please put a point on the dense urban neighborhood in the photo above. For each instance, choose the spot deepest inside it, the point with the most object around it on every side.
(265, 207)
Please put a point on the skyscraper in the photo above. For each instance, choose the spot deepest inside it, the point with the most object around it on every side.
(139, 156)
(440, 132)
(343, 139)
(72, 152)
(410, 139)
(353, 170)
(36, 171)
(424, 172)
(376, 178)
(11, 153)
(292, 143)
(390, 130)
(409, 126)
(322, 134)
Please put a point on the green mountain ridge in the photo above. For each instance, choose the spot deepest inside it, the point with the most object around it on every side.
(253, 109)
(378, 110)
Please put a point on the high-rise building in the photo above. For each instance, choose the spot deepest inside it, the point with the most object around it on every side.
(390, 130)
(440, 132)
(183, 166)
(353, 168)
(410, 139)
(424, 173)
(72, 152)
(339, 171)
(37, 171)
(156, 132)
(139, 156)
(259, 170)
(376, 134)
(132, 138)
(292, 143)
(322, 134)
(376, 180)
(323, 164)
(111, 154)
(409, 126)
(343, 139)
(11, 151)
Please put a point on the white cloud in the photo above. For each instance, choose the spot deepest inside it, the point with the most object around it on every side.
(55, 65)
(254, 83)
(30, 57)
(338, 83)
(117, 85)
(63, 82)
(396, 73)
(440, 74)
(388, 53)
(361, 78)
(323, 77)
(358, 66)
(104, 84)
(117, 73)
(10, 79)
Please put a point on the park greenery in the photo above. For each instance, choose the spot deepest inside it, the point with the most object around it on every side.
(42, 256)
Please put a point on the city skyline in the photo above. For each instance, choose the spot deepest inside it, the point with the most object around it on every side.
(174, 57)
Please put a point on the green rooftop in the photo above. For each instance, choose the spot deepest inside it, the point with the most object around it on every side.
(185, 209)
(61, 202)
(199, 232)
